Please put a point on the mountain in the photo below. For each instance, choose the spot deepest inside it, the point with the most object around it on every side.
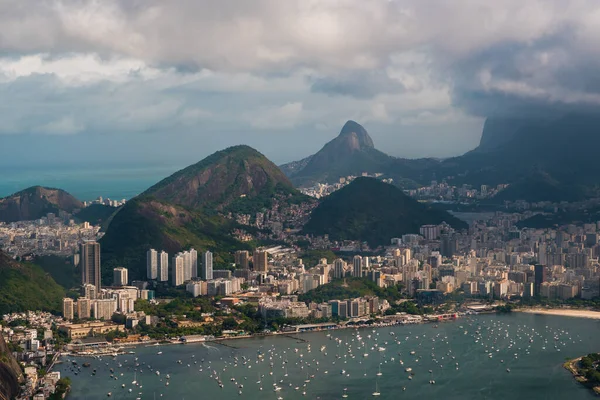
(234, 178)
(35, 202)
(27, 287)
(10, 373)
(186, 209)
(373, 211)
(350, 153)
(560, 149)
(538, 186)
(145, 223)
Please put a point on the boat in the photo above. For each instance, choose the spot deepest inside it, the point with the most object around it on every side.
(376, 392)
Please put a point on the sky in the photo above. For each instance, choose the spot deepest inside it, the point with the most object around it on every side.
(134, 82)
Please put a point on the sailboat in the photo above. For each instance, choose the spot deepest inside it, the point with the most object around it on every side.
(376, 392)
(379, 372)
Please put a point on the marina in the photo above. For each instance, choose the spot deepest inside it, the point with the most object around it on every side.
(490, 357)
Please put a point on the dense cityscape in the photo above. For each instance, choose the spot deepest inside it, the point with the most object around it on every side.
(494, 263)
(299, 200)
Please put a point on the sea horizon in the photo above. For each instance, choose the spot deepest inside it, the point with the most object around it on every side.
(86, 183)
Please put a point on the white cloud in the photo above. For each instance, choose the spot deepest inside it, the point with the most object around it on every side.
(121, 66)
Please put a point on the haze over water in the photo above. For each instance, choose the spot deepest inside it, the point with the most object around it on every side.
(457, 355)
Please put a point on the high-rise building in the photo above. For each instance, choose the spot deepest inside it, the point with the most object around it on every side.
(357, 266)
(84, 308)
(207, 266)
(366, 263)
(177, 270)
(338, 268)
(260, 261)
(152, 264)
(89, 291)
(194, 261)
(163, 266)
(68, 309)
(539, 278)
(242, 259)
(90, 264)
(105, 308)
(187, 266)
(448, 245)
(120, 276)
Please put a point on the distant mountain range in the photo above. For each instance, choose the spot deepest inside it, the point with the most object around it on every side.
(35, 202)
(549, 156)
(373, 211)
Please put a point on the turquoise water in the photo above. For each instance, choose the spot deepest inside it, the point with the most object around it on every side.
(533, 347)
(86, 183)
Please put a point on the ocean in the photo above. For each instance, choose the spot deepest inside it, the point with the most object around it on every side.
(516, 356)
(86, 182)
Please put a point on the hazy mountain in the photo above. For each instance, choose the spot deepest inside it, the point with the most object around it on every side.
(560, 149)
(35, 202)
(372, 211)
(25, 286)
(350, 153)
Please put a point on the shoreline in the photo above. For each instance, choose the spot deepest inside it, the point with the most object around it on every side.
(562, 312)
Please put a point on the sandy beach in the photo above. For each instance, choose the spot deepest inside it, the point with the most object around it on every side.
(563, 312)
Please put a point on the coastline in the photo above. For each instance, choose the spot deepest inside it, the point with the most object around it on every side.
(562, 312)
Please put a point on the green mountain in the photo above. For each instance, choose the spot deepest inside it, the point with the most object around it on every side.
(238, 178)
(95, 214)
(10, 373)
(35, 202)
(538, 186)
(372, 211)
(146, 222)
(27, 287)
(186, 209)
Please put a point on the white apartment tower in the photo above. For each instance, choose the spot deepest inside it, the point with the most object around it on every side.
(120, 276)
(177, 270)
(163, 266)
(194, 257)
(338, 268)
(151, 264)
(207, 266)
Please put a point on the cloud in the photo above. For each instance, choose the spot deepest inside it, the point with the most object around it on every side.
(63, 126)
(243, 68)
(286, 116)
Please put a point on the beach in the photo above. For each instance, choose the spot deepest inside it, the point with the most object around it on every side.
(563, 312)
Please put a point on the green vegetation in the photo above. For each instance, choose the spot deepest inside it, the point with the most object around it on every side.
(146, 223)
(349, 288)
(310, 258)
(589, 366)
(372, 211)
(61, 269)
(237, 179)
(95, 214)
(62, 387)
(27, 287)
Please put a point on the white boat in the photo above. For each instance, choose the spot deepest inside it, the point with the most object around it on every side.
(376, 392)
